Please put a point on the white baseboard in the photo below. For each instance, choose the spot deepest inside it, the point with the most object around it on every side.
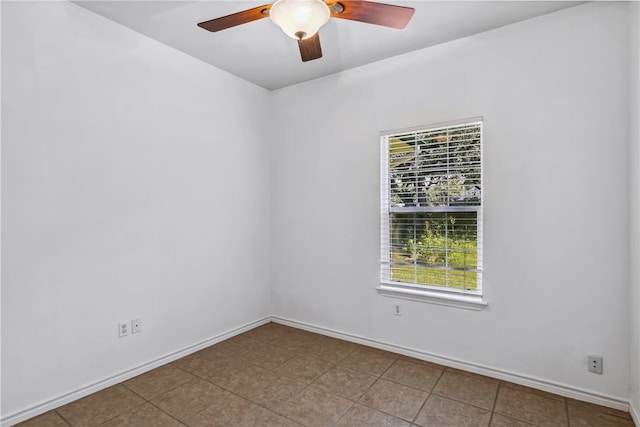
(56, 402)
(635, 415)
(548, 386)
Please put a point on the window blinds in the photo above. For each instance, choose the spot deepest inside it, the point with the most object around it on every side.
(431, 208)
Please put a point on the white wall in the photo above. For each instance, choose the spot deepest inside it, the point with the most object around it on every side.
(634, 168)
(134, 184)
(553, 94)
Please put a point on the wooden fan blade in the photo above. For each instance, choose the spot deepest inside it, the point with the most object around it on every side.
(238, 18)
(310, 48)
(388, 15)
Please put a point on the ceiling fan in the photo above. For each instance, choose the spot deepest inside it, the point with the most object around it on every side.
(301, 19)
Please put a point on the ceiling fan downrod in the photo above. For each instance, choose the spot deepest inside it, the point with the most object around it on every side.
(335, 7)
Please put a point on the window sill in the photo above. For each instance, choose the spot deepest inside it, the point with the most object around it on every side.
(460, 301)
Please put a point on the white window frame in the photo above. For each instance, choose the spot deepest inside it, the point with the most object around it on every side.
(470, 299)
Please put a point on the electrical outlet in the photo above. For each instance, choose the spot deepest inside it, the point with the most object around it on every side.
(397, 310)
(595, 364)
(136, 326)
(123, 328)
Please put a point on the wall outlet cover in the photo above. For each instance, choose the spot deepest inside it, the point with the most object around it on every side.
(123, 328)
(594, 364)
(136, 326)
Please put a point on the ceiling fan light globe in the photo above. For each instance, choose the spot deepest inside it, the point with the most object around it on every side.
(300, 19)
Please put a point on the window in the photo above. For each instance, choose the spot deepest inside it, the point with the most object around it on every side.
(431, 209)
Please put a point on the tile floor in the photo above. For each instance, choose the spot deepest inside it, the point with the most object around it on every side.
(275, 375)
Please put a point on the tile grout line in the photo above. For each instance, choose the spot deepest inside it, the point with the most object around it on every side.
(166, 391)
(357, 400)
(165, 412)
(63, 418)
(114, 416)
(222, 388)
(428, 396)
(274, 410)
(380, 377)
(455, 399)
(130, 409)
(175, 388)
(495, 402)
(333, 365)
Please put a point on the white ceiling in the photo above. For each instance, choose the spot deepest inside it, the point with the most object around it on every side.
(261, 53)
